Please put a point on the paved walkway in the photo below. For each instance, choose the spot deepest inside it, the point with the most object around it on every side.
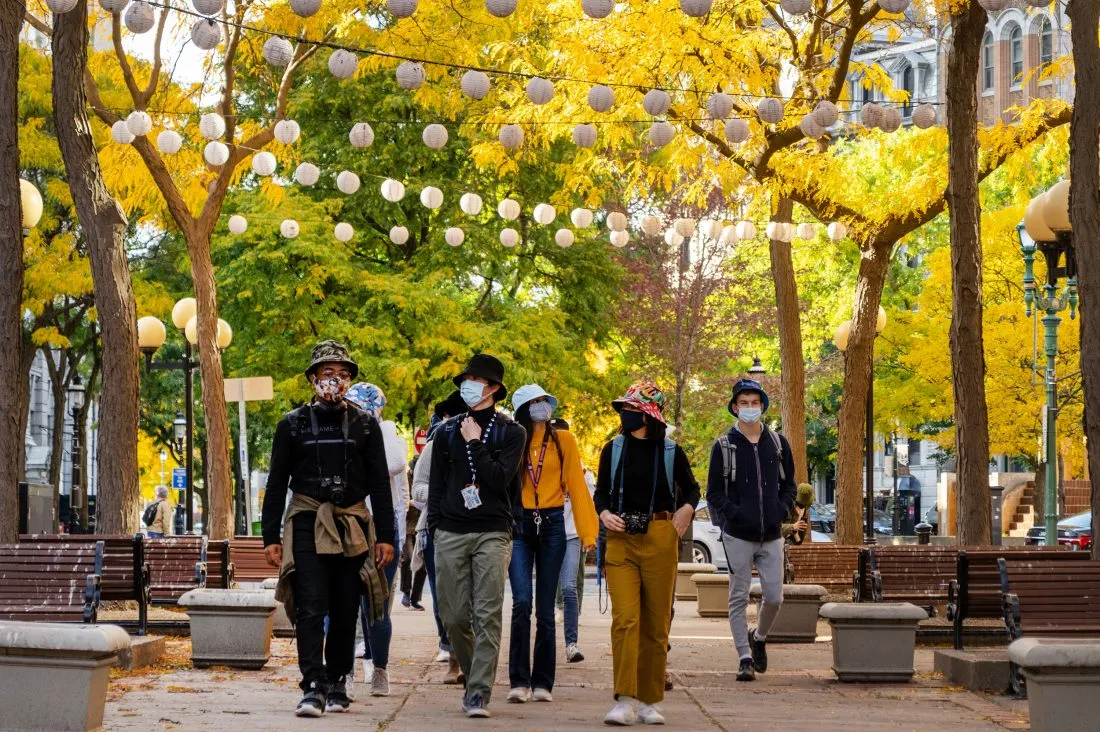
(799, 692)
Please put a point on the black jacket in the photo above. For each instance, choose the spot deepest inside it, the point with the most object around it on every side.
(756, 504)
(637, 479)
(300, 459)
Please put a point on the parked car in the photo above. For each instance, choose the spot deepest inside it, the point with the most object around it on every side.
(707, 539)
(1073, 531)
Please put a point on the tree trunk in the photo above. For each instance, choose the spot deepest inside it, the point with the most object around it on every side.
(104, 225)
(1084, 215)
(967, 349)
(792, 364)
(14, 387)
(858, 372)
(60, 376)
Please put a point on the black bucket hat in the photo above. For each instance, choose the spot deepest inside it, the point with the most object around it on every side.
(451, 406)
(487, 367)
(747, 385)
(331, 352)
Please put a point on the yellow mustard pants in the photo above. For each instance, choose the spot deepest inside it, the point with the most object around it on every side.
(641, 575)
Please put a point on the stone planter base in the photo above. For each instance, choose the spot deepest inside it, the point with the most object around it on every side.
(283, 627)
(230, 627)
(797, 619)
(685, 588)
(714, 594)
(873, 642)
(55, 675)
(1063, 678)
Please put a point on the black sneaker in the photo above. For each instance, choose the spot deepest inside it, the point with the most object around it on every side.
(474, 706)
(313, 703)
(338, 700)
(759, 652)
(746, 672)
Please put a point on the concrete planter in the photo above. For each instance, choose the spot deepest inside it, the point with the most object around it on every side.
(713, 594)
(797, 619)
(56, 674)
(1063, 678)
(283, 627)
(873, 642)
(685, 588)
(230, 627)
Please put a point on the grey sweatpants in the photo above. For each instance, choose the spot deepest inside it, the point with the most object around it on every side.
(768, 558)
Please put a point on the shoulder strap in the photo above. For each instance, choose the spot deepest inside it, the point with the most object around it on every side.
(729, 460)
(616, 456)
(779, 450)
(670, 466)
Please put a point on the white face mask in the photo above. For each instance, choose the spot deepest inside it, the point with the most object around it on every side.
(750, 415)
(541, 411)
(472, 392)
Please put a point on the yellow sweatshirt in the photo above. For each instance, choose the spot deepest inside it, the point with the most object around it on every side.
(551, 481)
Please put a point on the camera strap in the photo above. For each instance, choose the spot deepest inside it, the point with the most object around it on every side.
(316, 429)
(653, 493)
(535, 474)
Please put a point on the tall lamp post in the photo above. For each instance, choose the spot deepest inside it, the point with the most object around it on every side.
(1046, 229)
(76, 408)
(841, 340)
(151, 336)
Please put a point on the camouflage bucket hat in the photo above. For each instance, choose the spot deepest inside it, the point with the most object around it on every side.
(331, 352)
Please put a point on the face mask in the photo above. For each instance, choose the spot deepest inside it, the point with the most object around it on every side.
(541, 411)
(472, 392)
(750, 415)
(331, 390)
(632, 420)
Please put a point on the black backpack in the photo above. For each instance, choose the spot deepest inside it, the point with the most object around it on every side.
(150, 514)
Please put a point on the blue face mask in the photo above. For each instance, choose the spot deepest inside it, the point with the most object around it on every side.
(541, 411)
(750, 415)
(472, 392)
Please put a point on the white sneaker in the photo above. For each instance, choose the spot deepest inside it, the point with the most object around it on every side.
(649, 714)
(573, 653)
(542, 695)
(519, 695)
(443, 657)
(380, 683)
(622, 714)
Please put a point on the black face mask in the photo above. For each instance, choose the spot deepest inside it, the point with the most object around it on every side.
(631, 420)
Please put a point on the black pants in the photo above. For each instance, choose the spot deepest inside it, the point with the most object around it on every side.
(410, 581)
(324, 585)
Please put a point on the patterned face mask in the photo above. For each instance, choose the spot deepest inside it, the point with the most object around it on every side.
(331, 390)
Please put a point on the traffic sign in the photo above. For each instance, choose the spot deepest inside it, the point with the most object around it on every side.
(421, 440)
(179, 478)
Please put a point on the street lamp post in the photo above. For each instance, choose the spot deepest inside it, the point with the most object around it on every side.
(76, 408)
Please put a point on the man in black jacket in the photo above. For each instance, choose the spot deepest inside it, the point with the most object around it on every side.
(331, 456)
(750, 489)
(475, 462)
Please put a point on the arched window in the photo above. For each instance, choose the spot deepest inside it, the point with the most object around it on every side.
(1016, 54)
(987, 62)
(1046, 43)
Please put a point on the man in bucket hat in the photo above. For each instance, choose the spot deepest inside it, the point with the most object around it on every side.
(475, 462)
(330, 455)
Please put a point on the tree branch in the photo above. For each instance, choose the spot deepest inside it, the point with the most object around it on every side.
(154, 75)
(786, 29)
(123, 62)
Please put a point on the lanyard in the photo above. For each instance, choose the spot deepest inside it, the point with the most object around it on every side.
(536, 473)
(656, 467)
(485, 439)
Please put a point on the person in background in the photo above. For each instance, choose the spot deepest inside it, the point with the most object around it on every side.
(413, 574)
(797, 525)
(162, 521)
(571, 581)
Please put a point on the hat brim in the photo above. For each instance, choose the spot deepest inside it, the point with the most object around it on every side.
(651, 409)
(543, 393)
(352, 366)
(501, 393)
(763, 398)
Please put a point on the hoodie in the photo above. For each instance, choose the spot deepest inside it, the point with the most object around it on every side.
(755, 505)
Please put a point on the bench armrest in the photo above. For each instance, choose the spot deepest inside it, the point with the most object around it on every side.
(1010, 606)
(91, 598)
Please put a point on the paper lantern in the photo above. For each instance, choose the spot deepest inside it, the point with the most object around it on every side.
(435, 136)
(777, 231)
(289, 228)
(924, 116)
(401, 8)
(60, 6)
(393, 190)
(810, 127)
(263, 163)
(616, 221)
(796, 7)
(806, 231)
(651, 225)
(114, 6)
(139, 17)
(563, 238)
(539, 90)
(826, 113)
(169, 142)
(584, 135)
(508, 209)
(139, 123)
(343, 232)
(728, 235)
(737, 131)
(307, 174)
(361, 135)
(871, 115)
(238, 224)
(470, 203)
(656, 102)
(545, 213)
(454, 236)
(347, 182)
(306, 8)
(509, 237)
(287, 131)
(121, 134)
(511, 136)
(501, 8)
(410, 75)
(212, 126)
(710, 228)
(399, 235)
(278, 51)
(597, 8)
(891, 120)
(745, 230)
(431, 197)
(842, 334)
(475, 84)
(206, 34)
(673, 239)
(837, 230)
(661, 133)
(696, 8)
(342, 64)
(684, 227)
(207, 7)
(719, 105)
(619, 239)
(770, 110)
(216, 153)
(601, 98)
(894, 6)
(581, 218)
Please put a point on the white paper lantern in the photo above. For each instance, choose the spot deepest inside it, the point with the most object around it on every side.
(673, 239)
(361, 135)
(238, 224)
(508, 209)
(651, 225)
(745, 230)
(169, 142)
(263, 163)
(60, 6)
(597, 8)
(343, 232)
(435, 136)
(139, 123)
(539, 90)
(475, 84)
(563, 238)
(216, 153)
(307, 174)
(710, 228)
(401, 8)
(121, 134)
(509, 237)
(737, 130)
(511, 136)
(289, 228)
(728, 235)
(305, 8)
(616, 221)
(393, 190)
(796, 7)
(871, 115)
(656, 102)
(584, 135)
(581, 218)
(696, 8)
(777, 231)
(891, 120)
(207, 7)
(431, 197)
(399, 235)
(826, 113)
(684, 227)
(619, 239)
(454, 236)
(545, 213)
(287, 131)
(924, 116)
(770, 110)
(212, 126)
(206, 34)
(837, 230)
(114, 6)
(410, 75)
(470, 203)
(139, 17)
(806, 231)
(278, 51)
(342, 64)
(347, 182)
(719, 105)
(993, 6)
(661, 133)
(810, 127)
(501, 8)
(601, 98)
(894, 6)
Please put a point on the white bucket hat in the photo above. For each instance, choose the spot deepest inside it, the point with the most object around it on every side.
(528, 392)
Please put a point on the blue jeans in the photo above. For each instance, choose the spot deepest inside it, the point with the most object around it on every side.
(429, 564)
(376, 636)
(568, 580)
(542, 552)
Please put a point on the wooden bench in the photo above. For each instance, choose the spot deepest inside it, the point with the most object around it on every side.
(976, 590)
(219, 567)
(53, 582)
(249, 562)
(916, 574)
(830, 565)
(177, 565)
